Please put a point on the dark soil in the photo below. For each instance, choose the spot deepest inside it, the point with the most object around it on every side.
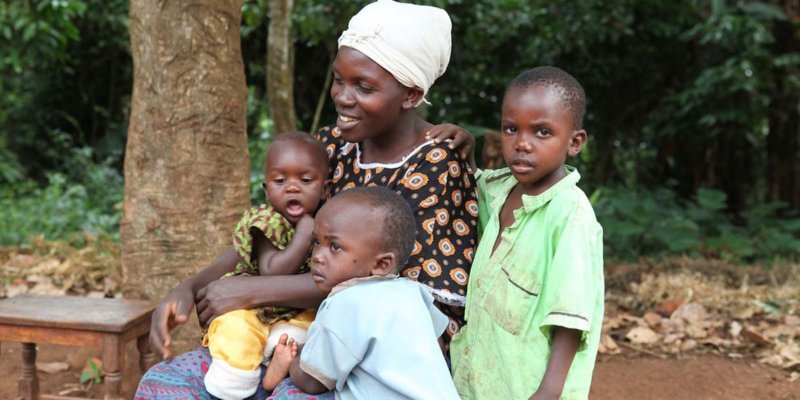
(619, 377)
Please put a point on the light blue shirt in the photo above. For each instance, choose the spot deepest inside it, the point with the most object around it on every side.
(376, 338)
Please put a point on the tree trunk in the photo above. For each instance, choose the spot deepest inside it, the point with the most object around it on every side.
(186, 161)
(280, 68)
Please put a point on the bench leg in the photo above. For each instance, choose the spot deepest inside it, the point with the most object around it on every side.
(146, 357)
(29, 382)
(112, 360)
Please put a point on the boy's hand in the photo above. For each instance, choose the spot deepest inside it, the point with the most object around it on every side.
(170, 312)
(463, 141)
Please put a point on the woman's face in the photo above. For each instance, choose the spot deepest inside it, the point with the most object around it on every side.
(368, 98)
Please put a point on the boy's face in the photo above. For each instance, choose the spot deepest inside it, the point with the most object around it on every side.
(345, 247)
(537, 136)
(295, 180)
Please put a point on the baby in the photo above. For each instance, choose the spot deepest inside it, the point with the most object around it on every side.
(272, 239)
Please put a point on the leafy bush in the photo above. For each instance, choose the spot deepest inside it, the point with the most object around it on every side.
(639, 222)
(86, 199)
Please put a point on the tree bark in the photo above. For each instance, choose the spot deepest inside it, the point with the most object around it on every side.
(186, 163)
(280, 67)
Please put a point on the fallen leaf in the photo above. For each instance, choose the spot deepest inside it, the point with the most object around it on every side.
(736, 329)
(608, 345)
(47, 288)
(52, 367)
(688, 345)
(16, 290)
(667, 307)
(640, 334)
(692, 313)
(755, 337)
(653, 319)
(697, 332)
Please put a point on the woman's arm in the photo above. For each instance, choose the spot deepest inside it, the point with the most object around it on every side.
(246, 292)
(462, 141)
(565, 345)
(174, 309)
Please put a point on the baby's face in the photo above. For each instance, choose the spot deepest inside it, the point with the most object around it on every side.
(294, 179)
(537, 135)
(344, 245)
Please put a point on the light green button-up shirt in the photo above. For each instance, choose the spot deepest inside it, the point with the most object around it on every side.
(547, 271)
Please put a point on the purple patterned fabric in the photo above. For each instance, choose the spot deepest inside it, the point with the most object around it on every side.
(182, 379)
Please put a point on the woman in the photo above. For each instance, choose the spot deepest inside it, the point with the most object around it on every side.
(388, 58)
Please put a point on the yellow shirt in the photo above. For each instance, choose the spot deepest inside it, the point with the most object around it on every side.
(547, 271)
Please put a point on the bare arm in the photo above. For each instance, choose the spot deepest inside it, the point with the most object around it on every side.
(272, 261)
(565, 345)
(462, 141)
(246, 292)
(304, 381)
(175, 307)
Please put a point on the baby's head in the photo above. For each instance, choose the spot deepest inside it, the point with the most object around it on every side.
(542, 125)
(361, 232)
(295, 174)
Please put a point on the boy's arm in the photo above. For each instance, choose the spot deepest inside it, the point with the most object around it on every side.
(272, 261)
(565, 345)
(303, 380)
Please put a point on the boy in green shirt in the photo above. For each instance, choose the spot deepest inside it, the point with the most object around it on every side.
(535, 300)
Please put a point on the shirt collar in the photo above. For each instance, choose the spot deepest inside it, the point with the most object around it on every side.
(355, 281)
(532, 203)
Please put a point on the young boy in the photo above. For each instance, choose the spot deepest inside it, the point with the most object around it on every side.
(535, 299)
(272, 239)
(375, 336)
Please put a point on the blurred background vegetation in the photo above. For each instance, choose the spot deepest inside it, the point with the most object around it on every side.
(693, 110)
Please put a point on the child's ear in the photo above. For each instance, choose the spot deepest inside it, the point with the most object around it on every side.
(576, 142)
(413, 96)
(384, 264)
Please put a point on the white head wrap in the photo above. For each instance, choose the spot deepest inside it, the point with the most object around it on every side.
(410, 41)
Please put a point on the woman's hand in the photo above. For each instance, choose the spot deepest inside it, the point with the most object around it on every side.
(221, 296)
(172, 311)
(462, 141)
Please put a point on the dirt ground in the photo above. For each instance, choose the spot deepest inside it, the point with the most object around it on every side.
(625, 376)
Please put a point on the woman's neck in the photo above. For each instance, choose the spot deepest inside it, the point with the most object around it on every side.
(392, 146)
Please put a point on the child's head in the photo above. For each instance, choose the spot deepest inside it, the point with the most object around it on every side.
(542, 125)
(295, 174)
(361, 232)
(389, 56)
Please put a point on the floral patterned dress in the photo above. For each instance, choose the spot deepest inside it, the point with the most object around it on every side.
(441, 191)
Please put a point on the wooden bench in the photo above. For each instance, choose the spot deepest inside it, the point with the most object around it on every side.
(107, 324)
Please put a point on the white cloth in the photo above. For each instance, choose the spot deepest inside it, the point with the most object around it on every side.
(228, 383)
(375, 338)
(410, 41)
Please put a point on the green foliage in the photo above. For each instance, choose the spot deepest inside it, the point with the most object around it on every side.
(679, 99)
(65, 207)
(640, 223)
(92, 373)
(65, 75)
